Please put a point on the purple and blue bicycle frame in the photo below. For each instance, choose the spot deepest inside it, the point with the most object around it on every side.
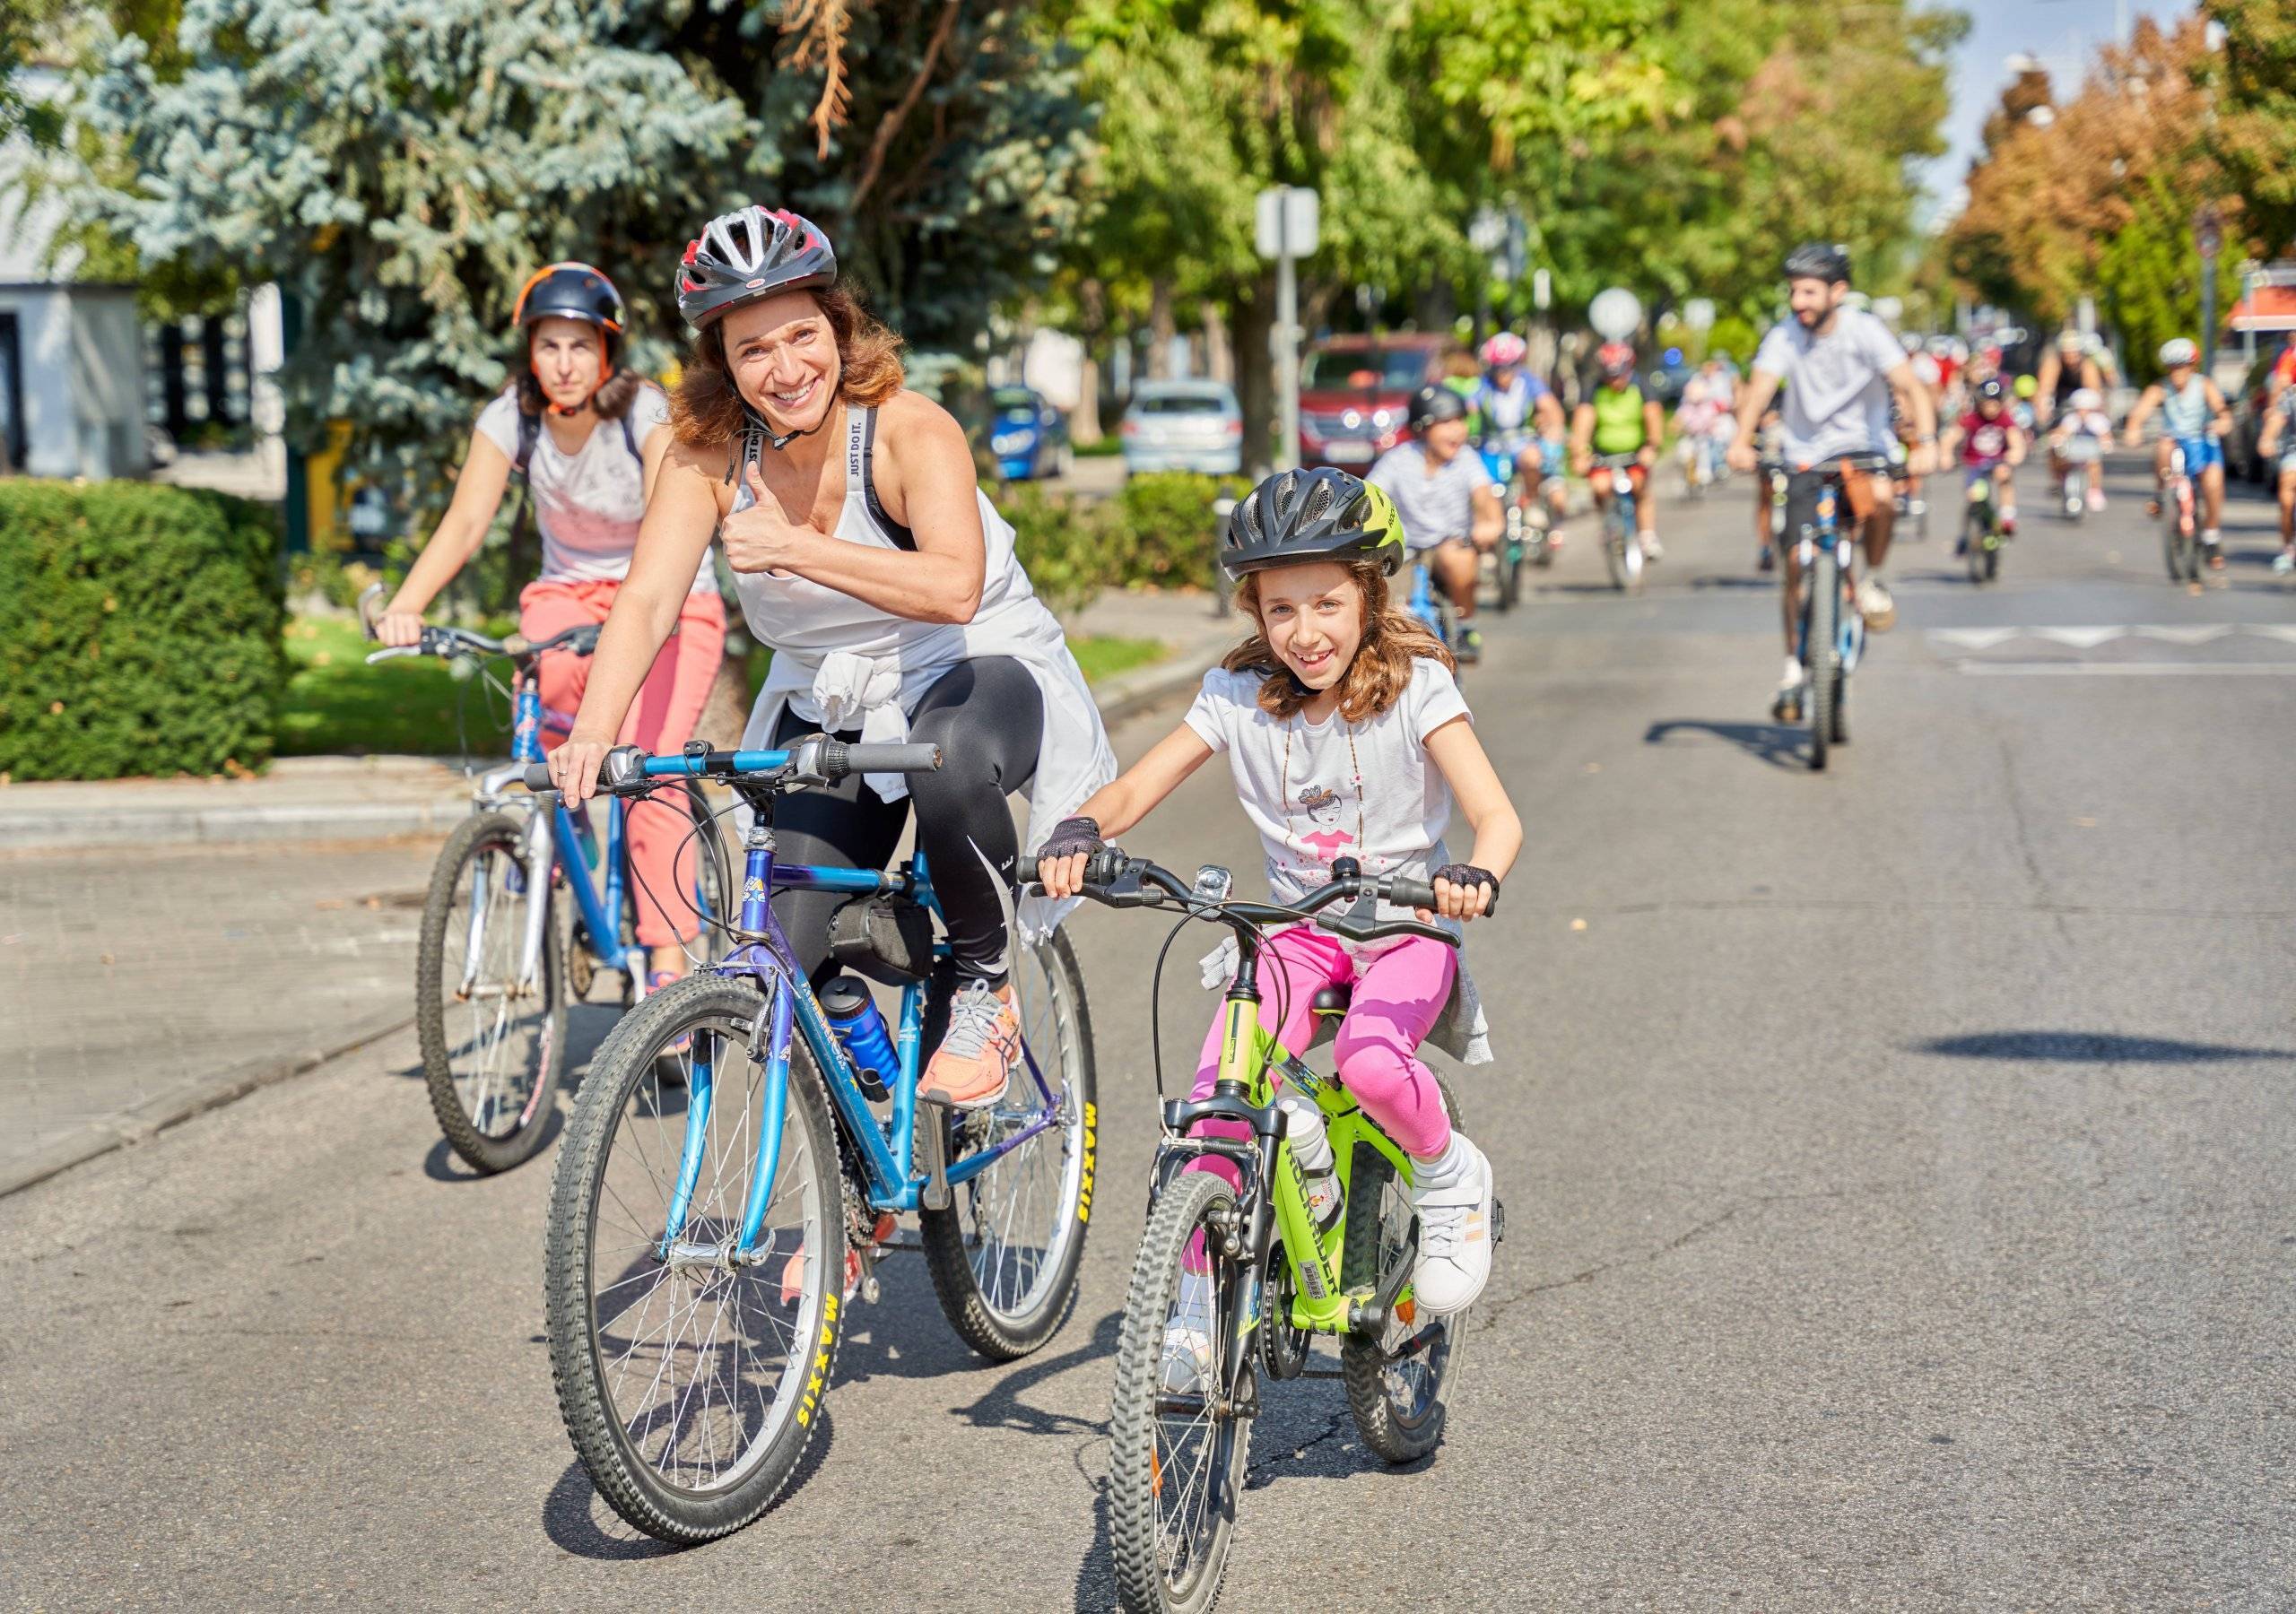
(762, 953)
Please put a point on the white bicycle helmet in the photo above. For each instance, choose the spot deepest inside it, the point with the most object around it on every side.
(743, 256)
(2087, 398)
(2178, 350)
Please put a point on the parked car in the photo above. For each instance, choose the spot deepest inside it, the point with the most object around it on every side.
(1027, 436)
(2247, 405)
(1183, 426)
(1355, 395)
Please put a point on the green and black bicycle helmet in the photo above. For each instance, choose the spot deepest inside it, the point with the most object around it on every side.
(1323, 514)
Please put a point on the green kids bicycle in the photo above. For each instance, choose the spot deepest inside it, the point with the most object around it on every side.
(1231, 1281)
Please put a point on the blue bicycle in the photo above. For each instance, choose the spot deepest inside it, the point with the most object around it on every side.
(497, 958)
(742, 1144)
(1622, 544)
(1431, 604)
(1831, 638)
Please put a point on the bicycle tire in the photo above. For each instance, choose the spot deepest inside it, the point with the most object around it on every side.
(1838, 714)
(1974, 534)
(1394, 1435)
(1006, 1332)
(1822, 650)
(463, 1118)
(1510, 558)
(1137, 1468)
(724, 1011)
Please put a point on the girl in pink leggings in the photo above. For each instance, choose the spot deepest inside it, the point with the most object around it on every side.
(1345, 736)
(590, 438)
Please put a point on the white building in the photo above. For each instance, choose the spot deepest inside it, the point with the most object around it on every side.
(72, 396)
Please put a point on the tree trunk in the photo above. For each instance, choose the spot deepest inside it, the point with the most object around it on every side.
(1219, 354)
(1084, 425)
(1255, 319)
(1160, 328)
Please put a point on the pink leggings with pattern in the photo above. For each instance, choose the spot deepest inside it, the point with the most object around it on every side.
(1398, 997)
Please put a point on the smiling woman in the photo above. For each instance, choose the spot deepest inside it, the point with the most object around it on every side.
(885, 583)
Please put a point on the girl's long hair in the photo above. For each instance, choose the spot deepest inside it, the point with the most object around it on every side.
(706, 411)
(1374, 681)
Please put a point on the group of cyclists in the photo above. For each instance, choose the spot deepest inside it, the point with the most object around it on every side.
(866, 556)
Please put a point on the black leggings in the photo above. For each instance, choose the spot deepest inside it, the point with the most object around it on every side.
(987, 717)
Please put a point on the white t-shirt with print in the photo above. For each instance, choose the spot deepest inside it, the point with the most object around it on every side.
(1320, 791)
(587, 505)
(1837, 398)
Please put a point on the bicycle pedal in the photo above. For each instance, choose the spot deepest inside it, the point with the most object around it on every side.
(932, 1127)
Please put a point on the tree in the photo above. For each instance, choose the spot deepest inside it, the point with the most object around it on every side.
(401, 166)
(2255, 135)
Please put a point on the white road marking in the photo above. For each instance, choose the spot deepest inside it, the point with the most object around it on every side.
(2130, 669)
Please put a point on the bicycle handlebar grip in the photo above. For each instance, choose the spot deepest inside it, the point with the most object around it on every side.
(1405, 892)
(839, 758)
(537, 776)
(1102, 867)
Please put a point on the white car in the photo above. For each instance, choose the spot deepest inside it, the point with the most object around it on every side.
(1183, 426)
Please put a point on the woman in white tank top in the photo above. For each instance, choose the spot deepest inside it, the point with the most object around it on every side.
(870, 560)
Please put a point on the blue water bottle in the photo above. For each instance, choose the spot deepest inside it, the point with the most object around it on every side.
(860, 1029)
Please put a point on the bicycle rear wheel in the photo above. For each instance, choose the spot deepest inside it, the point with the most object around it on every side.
(1004, 1256)
(1176, 1446)
(492, 1043)
(1397, 1400)
(1975, 530)
(690, 1374)
(1822, 650)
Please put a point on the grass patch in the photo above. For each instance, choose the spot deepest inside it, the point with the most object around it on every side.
(336, 704)
(1103, 656)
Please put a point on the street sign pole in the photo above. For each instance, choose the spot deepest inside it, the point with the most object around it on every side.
(2208, 235)
(1286, 221)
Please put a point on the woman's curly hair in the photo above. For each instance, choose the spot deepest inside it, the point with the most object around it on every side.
(706, 411)
(1393, 639)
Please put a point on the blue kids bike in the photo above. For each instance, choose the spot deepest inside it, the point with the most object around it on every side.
(499, 954)
(742, 1144)
(1831, 640)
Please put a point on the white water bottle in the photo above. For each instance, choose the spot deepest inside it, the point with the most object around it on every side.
(1303, 1126)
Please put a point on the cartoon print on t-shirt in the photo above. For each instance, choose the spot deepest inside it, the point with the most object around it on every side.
(1321, 805)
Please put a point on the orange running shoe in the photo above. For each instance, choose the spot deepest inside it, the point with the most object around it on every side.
(974, 1062)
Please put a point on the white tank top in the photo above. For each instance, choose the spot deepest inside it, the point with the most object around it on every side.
(794, 613)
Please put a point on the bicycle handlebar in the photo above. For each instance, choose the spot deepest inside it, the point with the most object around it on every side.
(628, 770)
(447, 642)
(1120, 882)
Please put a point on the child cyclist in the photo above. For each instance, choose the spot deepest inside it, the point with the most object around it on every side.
(1991, 447)
(1346, 737)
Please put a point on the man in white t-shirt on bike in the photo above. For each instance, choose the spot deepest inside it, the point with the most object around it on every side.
(1841, 367)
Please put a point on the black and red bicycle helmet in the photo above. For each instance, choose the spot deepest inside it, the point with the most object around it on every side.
(571, 290)
(742, 255)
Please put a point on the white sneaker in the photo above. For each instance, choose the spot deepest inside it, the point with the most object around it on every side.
(1874, 604)
(1188, 1367)
(1652, 550)
(2283, 563)
(1453, 1237)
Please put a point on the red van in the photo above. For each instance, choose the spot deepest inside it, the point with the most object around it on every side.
(1355, 392)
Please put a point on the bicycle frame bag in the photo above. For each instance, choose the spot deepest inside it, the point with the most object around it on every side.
(887, 938)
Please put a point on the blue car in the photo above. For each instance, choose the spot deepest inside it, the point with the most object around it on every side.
(1028, 437)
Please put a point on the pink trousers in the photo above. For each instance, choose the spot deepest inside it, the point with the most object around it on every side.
(661, 719)
(1396, 998)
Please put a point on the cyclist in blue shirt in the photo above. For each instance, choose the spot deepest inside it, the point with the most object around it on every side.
(2194, 417)
(1522, 419)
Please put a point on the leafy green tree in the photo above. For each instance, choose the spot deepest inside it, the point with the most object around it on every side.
(400, 168)
(2255, 135)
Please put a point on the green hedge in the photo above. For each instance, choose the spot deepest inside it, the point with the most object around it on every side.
(139, 630)
(1158, 530)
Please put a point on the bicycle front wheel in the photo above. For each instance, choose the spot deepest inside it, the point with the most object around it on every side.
(691, 1352)
(1004, 1256)
(492, 1032)
(1822, 652)
(1176, 1461)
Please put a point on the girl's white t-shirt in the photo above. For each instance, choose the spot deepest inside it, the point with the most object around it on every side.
(587, 506)
(1320, 791)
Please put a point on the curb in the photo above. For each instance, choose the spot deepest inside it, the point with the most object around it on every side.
(228, 826)
(194, 1096)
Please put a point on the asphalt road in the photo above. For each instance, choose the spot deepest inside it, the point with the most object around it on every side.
(1896, 1162)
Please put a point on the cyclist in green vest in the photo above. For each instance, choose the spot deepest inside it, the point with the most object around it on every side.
(1619, 418)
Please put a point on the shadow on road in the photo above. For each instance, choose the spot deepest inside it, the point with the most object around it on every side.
(1778, 744)
(2091, 1047)
(1003, 1408)
(578, 1520)
(1758, 580)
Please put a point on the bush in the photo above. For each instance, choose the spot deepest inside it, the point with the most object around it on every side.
(139, 630)
(1071, 548)
(1171, 528)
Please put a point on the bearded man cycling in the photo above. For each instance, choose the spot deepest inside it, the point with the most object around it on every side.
(1841, 367)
